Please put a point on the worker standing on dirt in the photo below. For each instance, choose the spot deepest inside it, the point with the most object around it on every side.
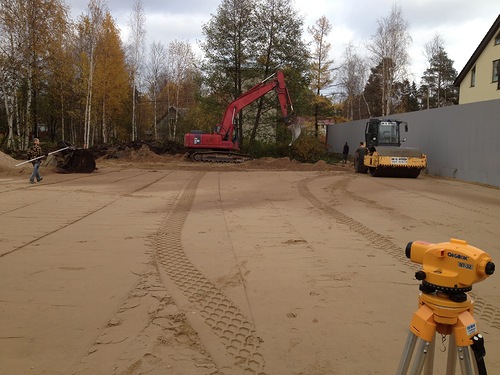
(345, 153)
(35, 151)
(359, 157)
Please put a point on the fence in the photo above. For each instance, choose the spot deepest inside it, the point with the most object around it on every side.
(460, 141)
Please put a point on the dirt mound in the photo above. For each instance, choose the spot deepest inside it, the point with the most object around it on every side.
(149, 158)
(154, 154)
(8, 165)
(144, 156)
(288, 164)
(130, 154)
(123, 150)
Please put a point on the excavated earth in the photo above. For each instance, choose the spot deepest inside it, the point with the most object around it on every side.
(154, 264)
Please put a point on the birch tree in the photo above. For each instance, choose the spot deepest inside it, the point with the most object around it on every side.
(10, 58)
(30, 32)
(389, 47)
(136, 56)
(90, 30)
(61, 84)
(321, 65)
(181, 64)
(156, 77)
(352, 79)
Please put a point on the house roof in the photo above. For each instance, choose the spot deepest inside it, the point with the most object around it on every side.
(479, 50)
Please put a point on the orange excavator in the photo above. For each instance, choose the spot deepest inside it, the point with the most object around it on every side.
(222, 145)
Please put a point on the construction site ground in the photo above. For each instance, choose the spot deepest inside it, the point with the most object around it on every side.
(157, 265)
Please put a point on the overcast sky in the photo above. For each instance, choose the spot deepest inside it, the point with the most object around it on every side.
(461, 23)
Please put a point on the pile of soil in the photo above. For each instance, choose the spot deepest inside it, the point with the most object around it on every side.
(143, 155)
(294, 165)
(120, 150)
(8, 166)
(149, 153)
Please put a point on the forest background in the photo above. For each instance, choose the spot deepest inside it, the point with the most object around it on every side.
(75, 79)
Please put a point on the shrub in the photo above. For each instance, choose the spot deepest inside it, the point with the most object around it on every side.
(308, 148)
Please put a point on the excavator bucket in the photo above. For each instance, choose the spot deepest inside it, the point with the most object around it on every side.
(74, 160)
(296, 128)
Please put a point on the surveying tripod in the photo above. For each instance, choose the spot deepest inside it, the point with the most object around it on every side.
(438, 312)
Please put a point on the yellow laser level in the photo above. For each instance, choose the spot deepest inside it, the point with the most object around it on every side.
(451, 267)
(448, 271)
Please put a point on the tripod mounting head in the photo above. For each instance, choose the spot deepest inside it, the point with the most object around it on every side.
(449, 267)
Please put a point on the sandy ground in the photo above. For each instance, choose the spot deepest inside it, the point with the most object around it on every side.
(156, 265)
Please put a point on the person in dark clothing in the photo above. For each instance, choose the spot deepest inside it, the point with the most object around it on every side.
(345, 153)
(359, 157)
(35, 151)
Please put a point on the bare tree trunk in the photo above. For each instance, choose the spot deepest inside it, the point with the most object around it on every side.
(321, 68)
(62, 113)
(137, 21)
(134, 123)
(9, 109)
(176, 110)
(96, 19)
(155, 124)
(28, 104)
(104, 130)
(88, 105)
(367, 106)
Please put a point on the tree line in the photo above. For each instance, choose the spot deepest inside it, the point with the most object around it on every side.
(77, 80)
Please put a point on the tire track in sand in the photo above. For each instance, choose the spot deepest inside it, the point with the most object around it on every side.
(488, 313)
(236, 333)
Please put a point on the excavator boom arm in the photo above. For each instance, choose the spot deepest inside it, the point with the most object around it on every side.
(226, 127)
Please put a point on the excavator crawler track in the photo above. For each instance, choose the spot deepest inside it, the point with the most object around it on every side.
(219, 157)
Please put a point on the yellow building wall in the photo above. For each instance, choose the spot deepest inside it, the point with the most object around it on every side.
(484, 89)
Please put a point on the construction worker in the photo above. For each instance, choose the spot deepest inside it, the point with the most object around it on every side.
(359, 157)
(35, 151)
(345, 153)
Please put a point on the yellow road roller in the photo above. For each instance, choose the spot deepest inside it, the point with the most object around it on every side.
(384, 155)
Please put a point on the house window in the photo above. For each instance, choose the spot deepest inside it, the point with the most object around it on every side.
(497, 39)
(496, 71)
(473, 77)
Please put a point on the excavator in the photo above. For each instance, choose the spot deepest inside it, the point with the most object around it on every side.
(385, 157)
(222, 145)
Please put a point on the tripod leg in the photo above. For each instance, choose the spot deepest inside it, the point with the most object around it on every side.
(418, 363)
(451, 365)
(464, 360)
(429, 362)
(404, 363)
